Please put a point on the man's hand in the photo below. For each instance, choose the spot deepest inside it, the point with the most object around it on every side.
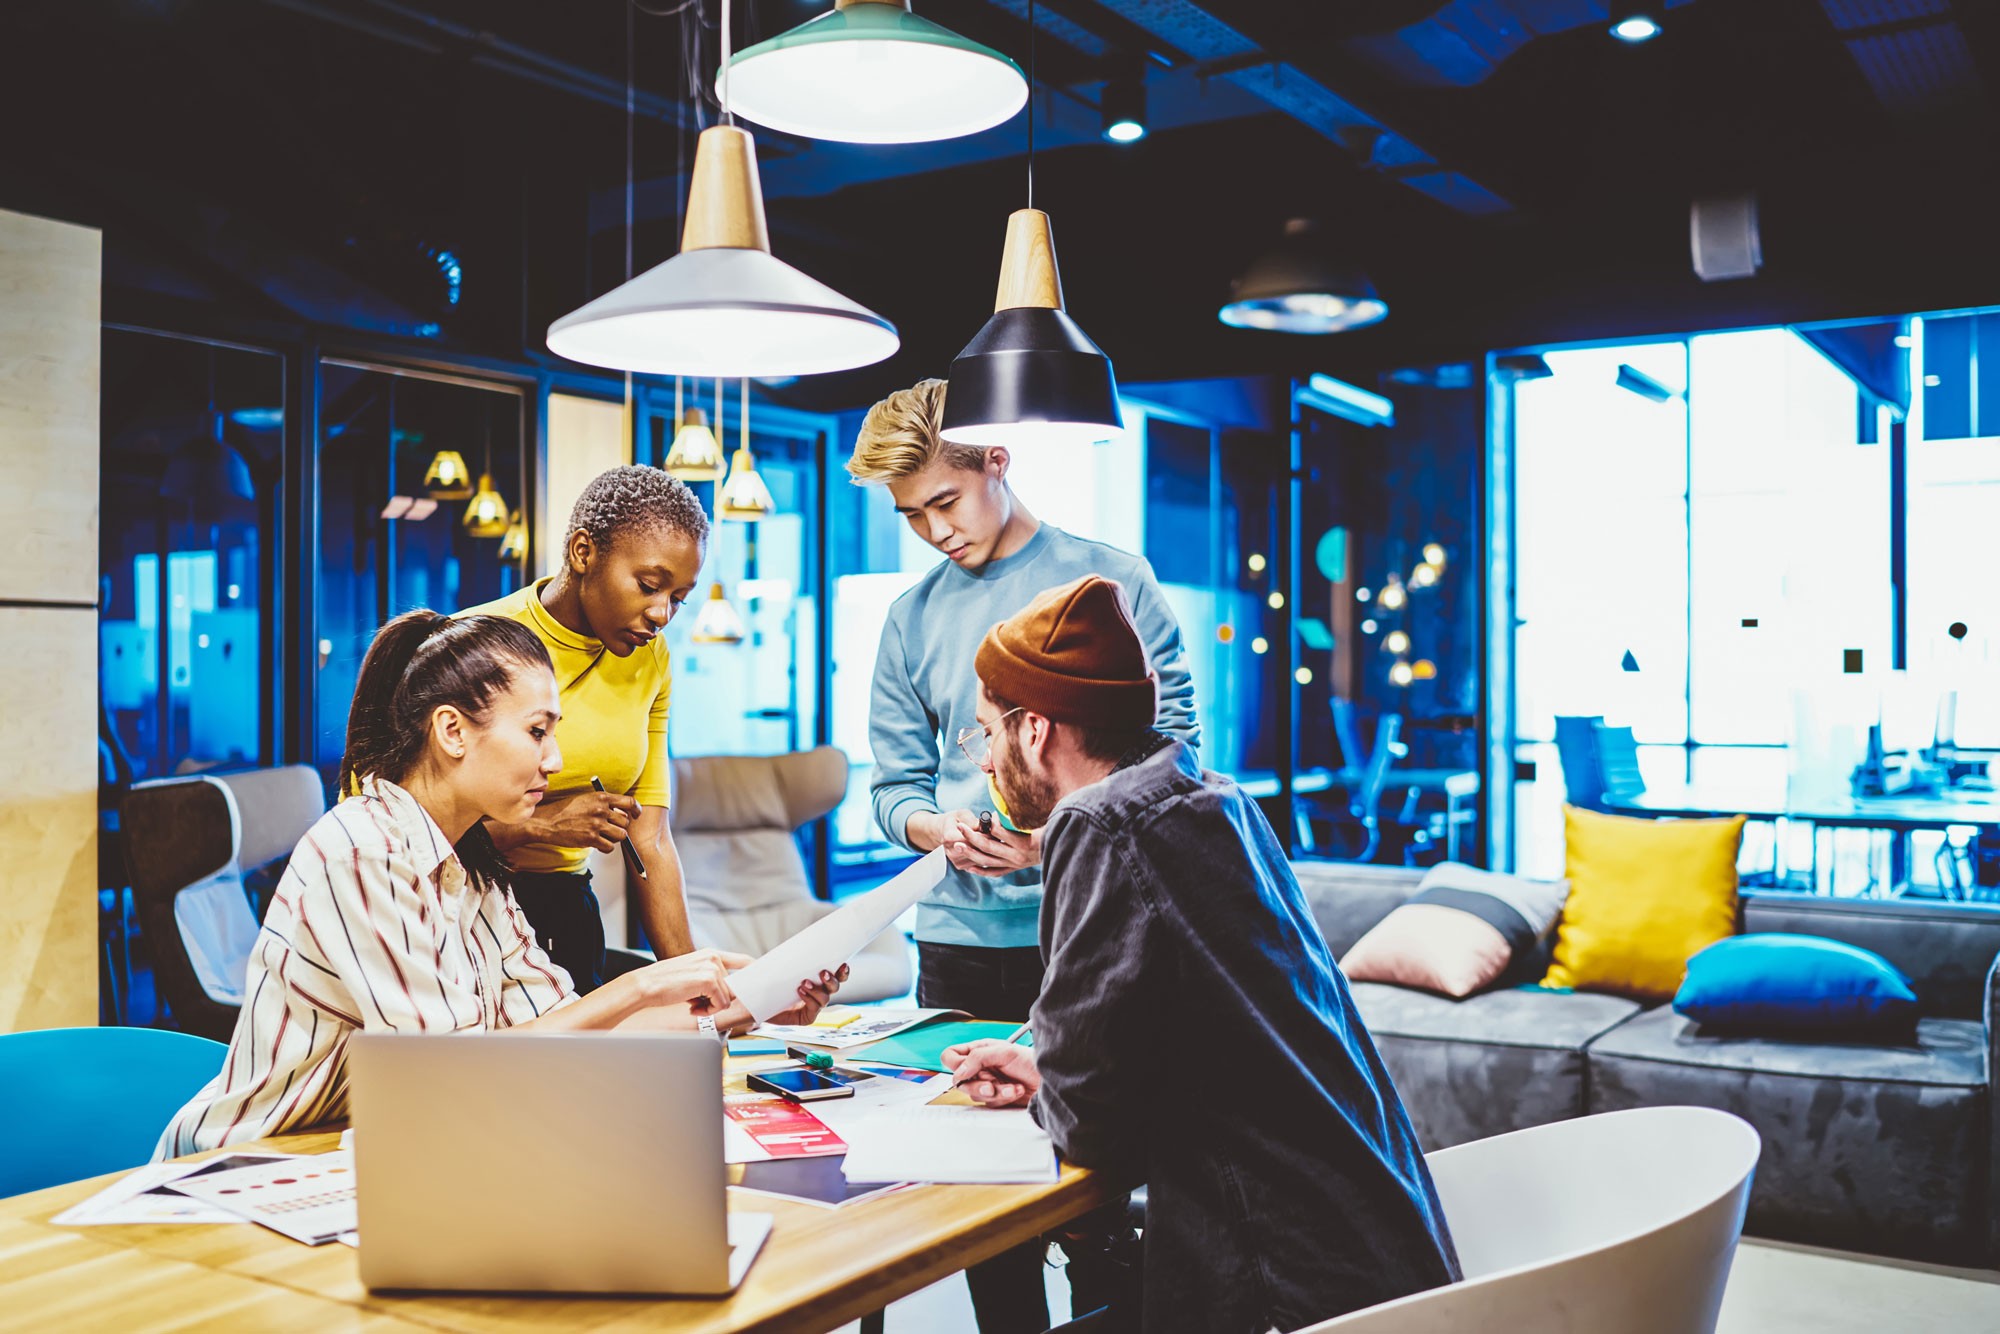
(994, 851)
(995, 1073)
(600, 820)
(700, 980)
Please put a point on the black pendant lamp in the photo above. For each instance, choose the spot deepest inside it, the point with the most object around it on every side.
(1031, 376)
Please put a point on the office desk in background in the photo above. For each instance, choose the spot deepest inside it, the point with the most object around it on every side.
(1897, 816)
(821, 1268)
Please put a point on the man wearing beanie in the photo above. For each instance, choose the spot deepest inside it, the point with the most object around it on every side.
(975, 932)
(1192, 1030)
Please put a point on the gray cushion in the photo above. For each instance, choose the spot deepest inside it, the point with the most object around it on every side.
(1873, 1148)
(1491, 1063)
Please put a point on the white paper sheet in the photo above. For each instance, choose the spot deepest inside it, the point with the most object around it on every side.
(971, 1145)
(771, 984)
(137, 1198)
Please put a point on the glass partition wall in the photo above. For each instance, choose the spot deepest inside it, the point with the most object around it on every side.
(403, 459)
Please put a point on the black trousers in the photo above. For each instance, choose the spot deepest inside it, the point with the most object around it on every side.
(563, 911)
(1007, 1292)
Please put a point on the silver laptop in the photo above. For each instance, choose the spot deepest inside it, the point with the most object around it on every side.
(545, 1162)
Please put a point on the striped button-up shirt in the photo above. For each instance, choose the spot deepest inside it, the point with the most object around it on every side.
(374, 926)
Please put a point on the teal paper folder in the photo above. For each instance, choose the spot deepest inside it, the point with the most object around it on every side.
(923, 1046)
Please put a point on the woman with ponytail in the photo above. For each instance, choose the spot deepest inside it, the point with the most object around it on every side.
(394, 913)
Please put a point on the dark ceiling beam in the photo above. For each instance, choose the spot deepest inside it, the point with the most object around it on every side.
(407, 26)
(1341, 103)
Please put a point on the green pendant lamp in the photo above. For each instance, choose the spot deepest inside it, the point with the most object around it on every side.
(871, 72)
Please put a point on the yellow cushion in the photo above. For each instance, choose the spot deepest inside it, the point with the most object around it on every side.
(1644, 897)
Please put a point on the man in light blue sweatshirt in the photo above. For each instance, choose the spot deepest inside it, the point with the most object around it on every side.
(978, 942)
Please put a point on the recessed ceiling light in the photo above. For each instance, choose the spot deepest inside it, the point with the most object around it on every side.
(1637, 28)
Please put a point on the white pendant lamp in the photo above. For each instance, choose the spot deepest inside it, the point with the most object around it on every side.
(872, 72)
(1300, 287)
(486, 516)
(514, 543)
(695, 455)
(724, 305)
(744, 497)
(717, 622)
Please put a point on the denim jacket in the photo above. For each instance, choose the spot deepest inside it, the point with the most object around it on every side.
(1193, 1033)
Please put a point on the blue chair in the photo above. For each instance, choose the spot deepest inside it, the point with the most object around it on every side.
(1582, 768)
(81, 1102)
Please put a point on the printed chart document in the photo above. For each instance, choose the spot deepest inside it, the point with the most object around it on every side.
(309, 1199)
(143, 1197)
(967, 1145)
(870, 1025)
(771, 984)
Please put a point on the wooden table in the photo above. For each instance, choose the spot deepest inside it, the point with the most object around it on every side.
(820, 1269)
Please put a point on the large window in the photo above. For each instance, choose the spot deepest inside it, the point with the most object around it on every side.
(1703, 555)
(1954, 516)
(188, 561)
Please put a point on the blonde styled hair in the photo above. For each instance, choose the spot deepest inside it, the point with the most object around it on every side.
(899, 438)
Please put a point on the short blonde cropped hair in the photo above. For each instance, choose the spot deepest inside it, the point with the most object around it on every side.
(899, 438)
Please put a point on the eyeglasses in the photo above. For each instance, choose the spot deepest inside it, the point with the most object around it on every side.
(977, 742)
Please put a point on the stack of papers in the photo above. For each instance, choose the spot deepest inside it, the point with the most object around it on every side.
(145, 1196)
(969, 1145)
(309, 1199)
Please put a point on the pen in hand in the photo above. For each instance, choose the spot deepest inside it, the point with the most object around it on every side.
(632, 862)
(984, 1072)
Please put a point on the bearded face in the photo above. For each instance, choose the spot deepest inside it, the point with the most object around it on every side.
(1030, 796)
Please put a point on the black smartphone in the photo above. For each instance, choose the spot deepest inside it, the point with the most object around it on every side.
(800, 1085)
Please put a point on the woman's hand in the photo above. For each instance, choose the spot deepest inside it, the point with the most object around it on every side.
(813, 997)
(700, 980)
(995, 1073)
(600, 820)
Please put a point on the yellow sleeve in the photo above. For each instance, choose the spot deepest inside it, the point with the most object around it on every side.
(656, 780)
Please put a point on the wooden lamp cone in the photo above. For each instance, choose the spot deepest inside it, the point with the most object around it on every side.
(725, 198)
(1028, 274)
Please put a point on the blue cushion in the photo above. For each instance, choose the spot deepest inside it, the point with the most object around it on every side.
(1772, 982)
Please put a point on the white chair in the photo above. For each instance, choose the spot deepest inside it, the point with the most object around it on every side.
(747, 889)
(1625, 1222)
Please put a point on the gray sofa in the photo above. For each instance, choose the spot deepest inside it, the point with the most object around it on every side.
(1892, 1150)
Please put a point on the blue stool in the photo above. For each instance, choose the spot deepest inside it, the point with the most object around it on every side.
(81, 1102)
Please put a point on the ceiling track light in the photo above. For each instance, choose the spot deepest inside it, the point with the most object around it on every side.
(1124, 106)
(1635, 28)
(872, 72)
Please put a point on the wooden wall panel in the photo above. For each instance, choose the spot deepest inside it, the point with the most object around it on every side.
(49, 340)
(585, 436)
(49, 336)
(48, 817)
